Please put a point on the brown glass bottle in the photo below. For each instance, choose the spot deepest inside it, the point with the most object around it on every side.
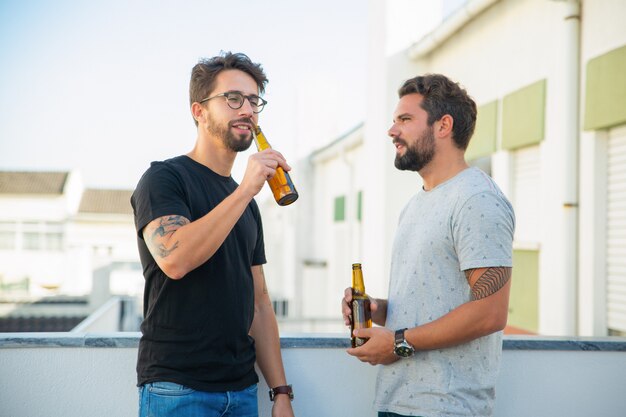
(361, 313)
(282, 187)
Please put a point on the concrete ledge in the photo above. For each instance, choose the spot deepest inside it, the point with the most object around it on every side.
(78, 374)
(299, 341)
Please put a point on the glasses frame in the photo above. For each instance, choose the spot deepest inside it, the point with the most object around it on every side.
(261, 106)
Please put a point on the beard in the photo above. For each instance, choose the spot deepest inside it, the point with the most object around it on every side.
(419, 154)
(236, 143)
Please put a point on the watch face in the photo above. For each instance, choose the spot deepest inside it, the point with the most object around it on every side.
(404, 350)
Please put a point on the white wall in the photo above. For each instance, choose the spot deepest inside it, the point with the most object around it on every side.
(509, 46)
(492, 56)
(100, 382)
(602, 31)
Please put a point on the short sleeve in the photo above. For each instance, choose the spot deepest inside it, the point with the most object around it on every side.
(160, 192)
(483, 232)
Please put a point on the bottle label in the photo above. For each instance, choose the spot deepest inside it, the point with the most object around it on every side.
(361, 319)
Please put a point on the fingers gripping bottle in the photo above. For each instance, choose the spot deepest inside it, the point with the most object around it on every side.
(361, 313)
(282, 187)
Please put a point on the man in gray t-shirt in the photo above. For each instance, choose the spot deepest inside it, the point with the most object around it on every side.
(450, 269)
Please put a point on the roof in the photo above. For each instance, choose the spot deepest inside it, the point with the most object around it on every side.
(338, 140)
(29, 182)
(457, 20)
(39, 324)
(106, 201)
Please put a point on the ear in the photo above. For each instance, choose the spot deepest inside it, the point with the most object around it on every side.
(197, 111)
(443, 126)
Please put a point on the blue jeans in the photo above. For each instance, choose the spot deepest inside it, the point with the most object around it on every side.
(168, 399)
(388, 414)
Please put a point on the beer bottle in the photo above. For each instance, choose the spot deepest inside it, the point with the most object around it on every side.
(361, 314)
(282, 187)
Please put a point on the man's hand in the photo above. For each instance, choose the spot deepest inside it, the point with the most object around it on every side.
(347, 311)
(378, 350)
(282, 406)
(261, 167)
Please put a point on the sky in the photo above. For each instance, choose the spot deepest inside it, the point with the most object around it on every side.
(101, 87)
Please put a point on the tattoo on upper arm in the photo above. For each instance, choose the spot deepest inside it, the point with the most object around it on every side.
(491, 280)
(159, 228)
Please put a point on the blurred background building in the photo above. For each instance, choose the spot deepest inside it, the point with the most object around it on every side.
(549, 77)
(64, 252)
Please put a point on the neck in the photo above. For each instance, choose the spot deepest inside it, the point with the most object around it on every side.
(441, 169)
(212, 153)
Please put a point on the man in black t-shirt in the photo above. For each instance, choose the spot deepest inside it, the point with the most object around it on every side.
(207, 312)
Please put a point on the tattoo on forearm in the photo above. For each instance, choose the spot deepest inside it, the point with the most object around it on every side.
(167, 226)
(489, 282)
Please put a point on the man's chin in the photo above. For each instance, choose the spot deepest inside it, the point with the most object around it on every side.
(404, 165)
(241, 144)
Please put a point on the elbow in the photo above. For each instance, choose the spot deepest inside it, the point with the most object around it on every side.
(173, 270)
(174, 275)
(495, 323)
(178, 266)
(500, 325)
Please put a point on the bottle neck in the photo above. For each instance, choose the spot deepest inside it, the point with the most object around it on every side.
(260, 140)
(358, 285)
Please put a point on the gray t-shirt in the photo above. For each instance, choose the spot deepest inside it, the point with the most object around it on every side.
(463, 223)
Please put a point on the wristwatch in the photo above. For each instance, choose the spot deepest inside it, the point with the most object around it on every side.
(283, 389)
(401, 347)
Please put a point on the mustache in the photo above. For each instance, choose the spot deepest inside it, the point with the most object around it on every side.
(400, 141)
(242, 120)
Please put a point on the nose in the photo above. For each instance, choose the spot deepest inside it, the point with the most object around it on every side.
(246, 108)
(393, 131)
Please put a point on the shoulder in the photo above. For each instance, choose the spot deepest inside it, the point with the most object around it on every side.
(159, 177)
(478, 198)
(476, 186)
(160, 170)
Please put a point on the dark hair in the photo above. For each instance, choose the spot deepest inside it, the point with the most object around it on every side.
(206, 70)
(443, 96)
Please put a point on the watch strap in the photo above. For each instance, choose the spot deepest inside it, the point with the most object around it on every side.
(282, 389)
(399, 336)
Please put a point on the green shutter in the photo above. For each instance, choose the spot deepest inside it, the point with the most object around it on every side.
(340, 208)
(524, 298)
(605, 99)
(523, 115)
(483, 143)
(359, 206)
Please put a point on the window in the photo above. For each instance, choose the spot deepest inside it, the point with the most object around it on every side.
(281, 308)
(42, 236)
(7, 235)
(340, 208)
(31, 236)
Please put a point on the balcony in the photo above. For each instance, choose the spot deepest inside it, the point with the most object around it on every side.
(93, 374)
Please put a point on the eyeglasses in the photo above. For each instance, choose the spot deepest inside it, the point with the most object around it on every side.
(235, 100)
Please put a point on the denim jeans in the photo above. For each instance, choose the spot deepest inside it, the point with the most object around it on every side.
(388, 414)
(168, 399)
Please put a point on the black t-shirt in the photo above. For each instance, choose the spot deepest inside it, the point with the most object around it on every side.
(195, 330)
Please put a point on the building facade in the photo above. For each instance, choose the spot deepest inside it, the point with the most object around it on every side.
(549, 78)
(58, 238)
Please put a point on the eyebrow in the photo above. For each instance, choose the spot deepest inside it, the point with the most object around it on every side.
(242, 93)
(401, 116)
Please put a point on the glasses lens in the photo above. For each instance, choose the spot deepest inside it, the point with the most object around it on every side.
(254, 101)
(234, 100)
(257, 103)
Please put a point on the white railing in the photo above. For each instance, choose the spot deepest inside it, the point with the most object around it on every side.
(72, 375)
(105, 319)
